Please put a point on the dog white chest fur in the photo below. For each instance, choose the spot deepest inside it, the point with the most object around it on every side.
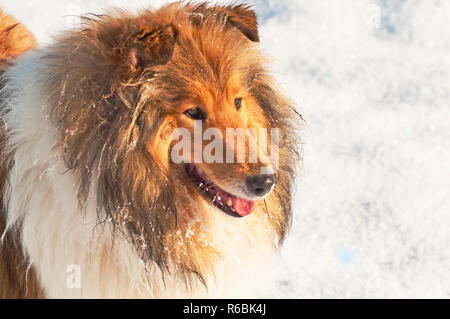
(71, 256)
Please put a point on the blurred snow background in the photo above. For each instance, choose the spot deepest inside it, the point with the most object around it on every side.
(372, 80)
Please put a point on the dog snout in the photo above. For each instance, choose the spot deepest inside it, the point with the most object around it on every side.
(260, 185)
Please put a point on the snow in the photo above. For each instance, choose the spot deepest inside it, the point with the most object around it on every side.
(371, 78)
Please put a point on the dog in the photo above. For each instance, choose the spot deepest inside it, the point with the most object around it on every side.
(94, 203)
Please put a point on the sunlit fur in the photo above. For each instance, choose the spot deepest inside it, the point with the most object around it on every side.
(88, 176)
(15, 39)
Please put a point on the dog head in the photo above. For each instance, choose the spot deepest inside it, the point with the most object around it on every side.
(124, 86)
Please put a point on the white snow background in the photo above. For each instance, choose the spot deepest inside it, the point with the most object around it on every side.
(372, 80)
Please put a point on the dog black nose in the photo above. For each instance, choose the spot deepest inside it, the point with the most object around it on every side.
(259, 185)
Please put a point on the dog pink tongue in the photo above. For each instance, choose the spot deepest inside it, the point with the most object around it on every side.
(242, 206)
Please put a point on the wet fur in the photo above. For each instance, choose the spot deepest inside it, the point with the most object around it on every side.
(88, 179)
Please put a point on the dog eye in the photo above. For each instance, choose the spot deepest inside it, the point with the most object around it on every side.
(238, 102)
(195, 114)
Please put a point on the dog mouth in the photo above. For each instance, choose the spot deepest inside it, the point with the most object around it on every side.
(228, 203)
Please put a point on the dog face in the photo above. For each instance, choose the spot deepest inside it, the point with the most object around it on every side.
(122, 86)
(210, 109)
(232, 108)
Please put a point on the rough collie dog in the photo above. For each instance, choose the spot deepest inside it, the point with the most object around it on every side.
(94, 205)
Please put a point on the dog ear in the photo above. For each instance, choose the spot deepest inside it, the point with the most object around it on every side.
(152, 47)
(244, 19)
(138, 45)
(239, 16)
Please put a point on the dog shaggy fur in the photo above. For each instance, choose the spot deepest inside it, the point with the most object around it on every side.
(86, 176)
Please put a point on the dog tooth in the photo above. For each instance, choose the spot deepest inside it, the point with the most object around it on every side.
(229, 203)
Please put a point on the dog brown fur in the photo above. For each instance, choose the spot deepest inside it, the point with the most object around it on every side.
(15, 39)
(118, 88)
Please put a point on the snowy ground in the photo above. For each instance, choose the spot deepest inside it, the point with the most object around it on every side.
(372, 80)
